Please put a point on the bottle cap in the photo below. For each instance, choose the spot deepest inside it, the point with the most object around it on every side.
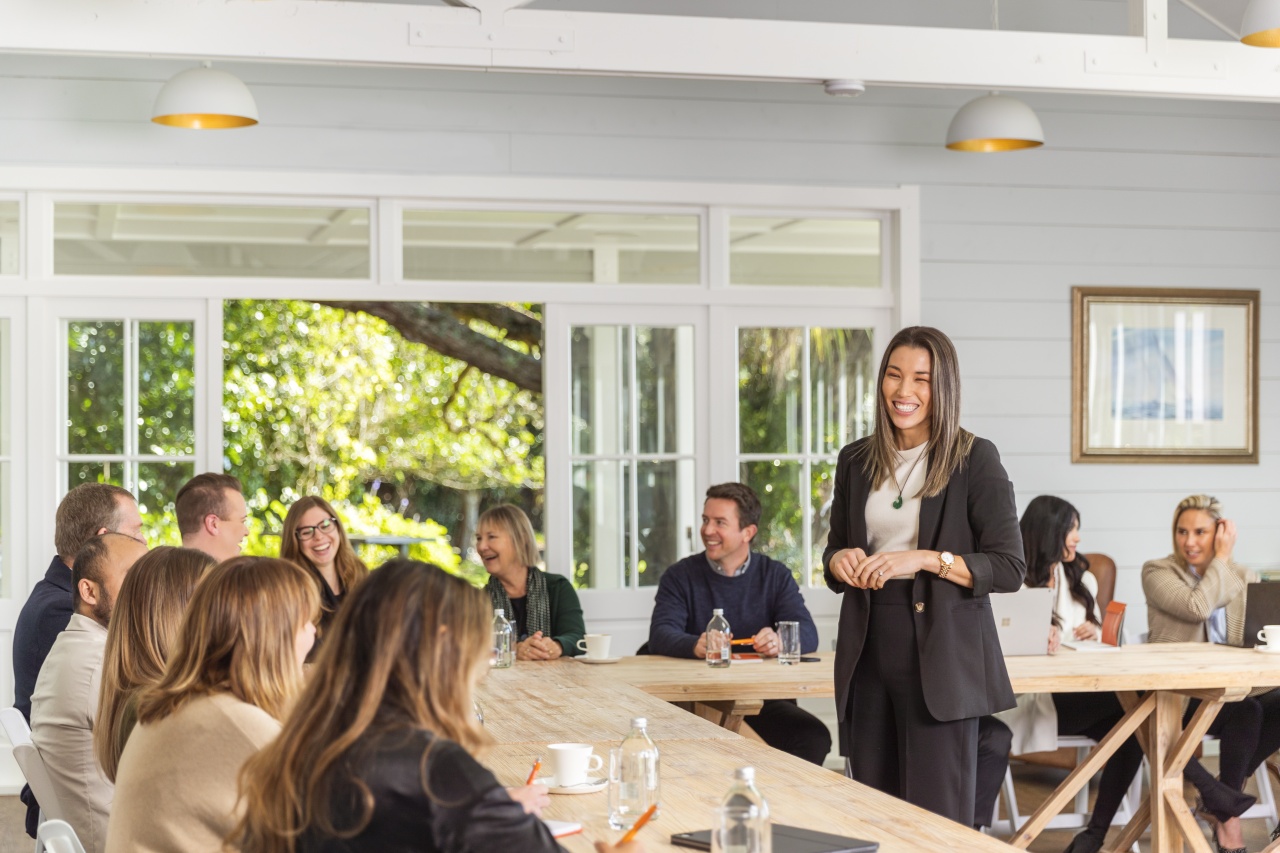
(745, 774)
(639, 722)
(497, 611)
(717, 612)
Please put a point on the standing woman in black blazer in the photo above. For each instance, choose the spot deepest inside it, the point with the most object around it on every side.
(923, 528)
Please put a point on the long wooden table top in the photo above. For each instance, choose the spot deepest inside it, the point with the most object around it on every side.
(1153, 666)
(533, 704)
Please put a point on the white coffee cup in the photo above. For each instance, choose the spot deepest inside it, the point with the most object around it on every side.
(595, 645)
(570, 762)
(1269, 637)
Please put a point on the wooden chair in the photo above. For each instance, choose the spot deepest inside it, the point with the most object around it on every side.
(1103, 568)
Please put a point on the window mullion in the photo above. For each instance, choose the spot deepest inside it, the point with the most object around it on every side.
(634, 483)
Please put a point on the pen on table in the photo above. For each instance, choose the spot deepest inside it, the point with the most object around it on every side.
(747, 642)
(533, 773)
(644, 818)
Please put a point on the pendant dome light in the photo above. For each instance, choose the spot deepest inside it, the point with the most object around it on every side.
(204, 99)
(1261, 24)
(994, 123)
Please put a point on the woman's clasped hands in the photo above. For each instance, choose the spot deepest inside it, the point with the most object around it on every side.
(854, 567)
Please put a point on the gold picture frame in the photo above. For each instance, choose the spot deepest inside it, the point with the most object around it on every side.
(1162, 375)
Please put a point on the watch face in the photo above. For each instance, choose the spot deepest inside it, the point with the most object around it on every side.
(947, 557)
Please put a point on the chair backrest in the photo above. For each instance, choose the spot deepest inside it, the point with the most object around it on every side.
(30, 762)
(57, 836)
(1103, 569)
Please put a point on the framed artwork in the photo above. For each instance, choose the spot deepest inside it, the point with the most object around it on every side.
(1164, 375)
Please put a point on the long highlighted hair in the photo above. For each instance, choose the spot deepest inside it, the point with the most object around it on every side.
(351, 570)
(403, 655)
(239, 636)
(144, 626)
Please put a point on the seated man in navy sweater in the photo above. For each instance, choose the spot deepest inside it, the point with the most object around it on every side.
(755, 593)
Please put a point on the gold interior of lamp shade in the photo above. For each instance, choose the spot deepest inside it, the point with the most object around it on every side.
(204, 121)
(1263, 38)
(988, 146)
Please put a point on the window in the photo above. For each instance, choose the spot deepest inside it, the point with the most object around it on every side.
(237, 241)
(10, 237)
(790, 251)
(6, 459)
(803, 393)
(552, 246)
(631, 452)
(130, 409)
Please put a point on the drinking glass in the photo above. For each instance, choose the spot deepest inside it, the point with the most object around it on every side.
(788, 642)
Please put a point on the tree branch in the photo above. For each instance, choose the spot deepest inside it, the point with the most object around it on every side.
(520, 327)
(424, 323)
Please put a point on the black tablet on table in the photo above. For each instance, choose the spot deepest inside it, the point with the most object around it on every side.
(788, 839)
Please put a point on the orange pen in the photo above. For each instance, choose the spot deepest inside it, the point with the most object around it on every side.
(644, 818)
(533, 774)
(747, 642)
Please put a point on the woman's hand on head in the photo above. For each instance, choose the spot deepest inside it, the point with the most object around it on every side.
(1224, 539)
(533, 798)
(844, 564)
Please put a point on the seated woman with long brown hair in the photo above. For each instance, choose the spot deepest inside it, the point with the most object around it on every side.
(380, 753)
(232, 677)
(314, 538)
(144, 626)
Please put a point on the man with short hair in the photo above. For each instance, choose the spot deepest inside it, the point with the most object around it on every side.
(87, 511)
(755, 593)
(212, 515)
(64, 706)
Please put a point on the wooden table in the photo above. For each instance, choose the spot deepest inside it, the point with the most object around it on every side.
(533, 704)
(1166, 673)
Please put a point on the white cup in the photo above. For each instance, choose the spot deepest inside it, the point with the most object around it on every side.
(595, 645)
(570, 763)
(1269, 637)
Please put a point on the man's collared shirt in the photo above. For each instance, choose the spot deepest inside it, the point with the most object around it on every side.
(719, 569)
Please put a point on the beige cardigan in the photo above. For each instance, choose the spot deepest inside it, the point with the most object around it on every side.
(1179, 603)
(176, 786)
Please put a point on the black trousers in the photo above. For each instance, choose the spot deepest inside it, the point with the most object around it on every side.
(895, 744)
(784, 725)
(1094, 715)
(994, 742)
(1248, 731)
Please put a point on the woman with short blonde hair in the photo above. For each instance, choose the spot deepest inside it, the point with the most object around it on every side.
(542, 607)
(144, 626)
(231, 679)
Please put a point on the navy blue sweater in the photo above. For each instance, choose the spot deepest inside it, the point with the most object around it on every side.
(762, 596)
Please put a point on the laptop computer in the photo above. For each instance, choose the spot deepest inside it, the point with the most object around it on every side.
(1023, 619)
(787, 839)
(1261, 607)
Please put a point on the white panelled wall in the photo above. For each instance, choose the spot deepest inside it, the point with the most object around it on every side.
(1127, 192)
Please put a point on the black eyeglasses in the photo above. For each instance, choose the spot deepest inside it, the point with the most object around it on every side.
(305, 533)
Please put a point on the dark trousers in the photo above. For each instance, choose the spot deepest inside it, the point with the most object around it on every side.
(1094, 715)
(895, 744)
(1248, 731)
(994, 742)
(784, 725)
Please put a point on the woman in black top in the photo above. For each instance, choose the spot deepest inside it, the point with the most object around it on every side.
(379, 754)
(923, 528)
(314, 538)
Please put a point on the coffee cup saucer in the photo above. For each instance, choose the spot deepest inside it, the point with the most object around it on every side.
(1267, 650)
(586, 659)
(593, 785)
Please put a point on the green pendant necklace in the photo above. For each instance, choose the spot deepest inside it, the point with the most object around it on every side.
(897, 502)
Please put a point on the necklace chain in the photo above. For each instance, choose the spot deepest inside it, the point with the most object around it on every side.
(897, 502)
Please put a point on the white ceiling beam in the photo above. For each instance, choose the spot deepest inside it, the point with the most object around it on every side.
(378, 34)
(1150, 19)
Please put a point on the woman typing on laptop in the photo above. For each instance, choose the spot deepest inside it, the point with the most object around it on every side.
(1197, 594)
(1051, 536)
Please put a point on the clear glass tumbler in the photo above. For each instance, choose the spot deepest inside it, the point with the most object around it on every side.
(788, 642)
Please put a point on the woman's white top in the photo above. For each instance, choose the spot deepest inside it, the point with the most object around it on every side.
(1034, 721)
(890, 529)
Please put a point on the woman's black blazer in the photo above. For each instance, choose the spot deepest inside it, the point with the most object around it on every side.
(974, 517)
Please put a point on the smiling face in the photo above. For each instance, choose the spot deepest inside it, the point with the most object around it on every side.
(907, 394)
(1193, 535)
(322, 546)
(1071, 542)
(724, 540)
(496, 548)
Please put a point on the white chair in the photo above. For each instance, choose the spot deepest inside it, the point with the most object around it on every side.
(57, 836)
(32, 765)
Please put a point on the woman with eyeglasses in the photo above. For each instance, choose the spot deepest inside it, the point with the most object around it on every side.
(314, 538)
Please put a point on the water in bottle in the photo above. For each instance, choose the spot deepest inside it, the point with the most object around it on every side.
(633, 777)
(504, 647)
(719, 640)
(744, 817)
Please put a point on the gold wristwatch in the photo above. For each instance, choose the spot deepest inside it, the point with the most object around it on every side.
(945, 561)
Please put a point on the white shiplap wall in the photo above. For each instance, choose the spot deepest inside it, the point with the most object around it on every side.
(1152, 192)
